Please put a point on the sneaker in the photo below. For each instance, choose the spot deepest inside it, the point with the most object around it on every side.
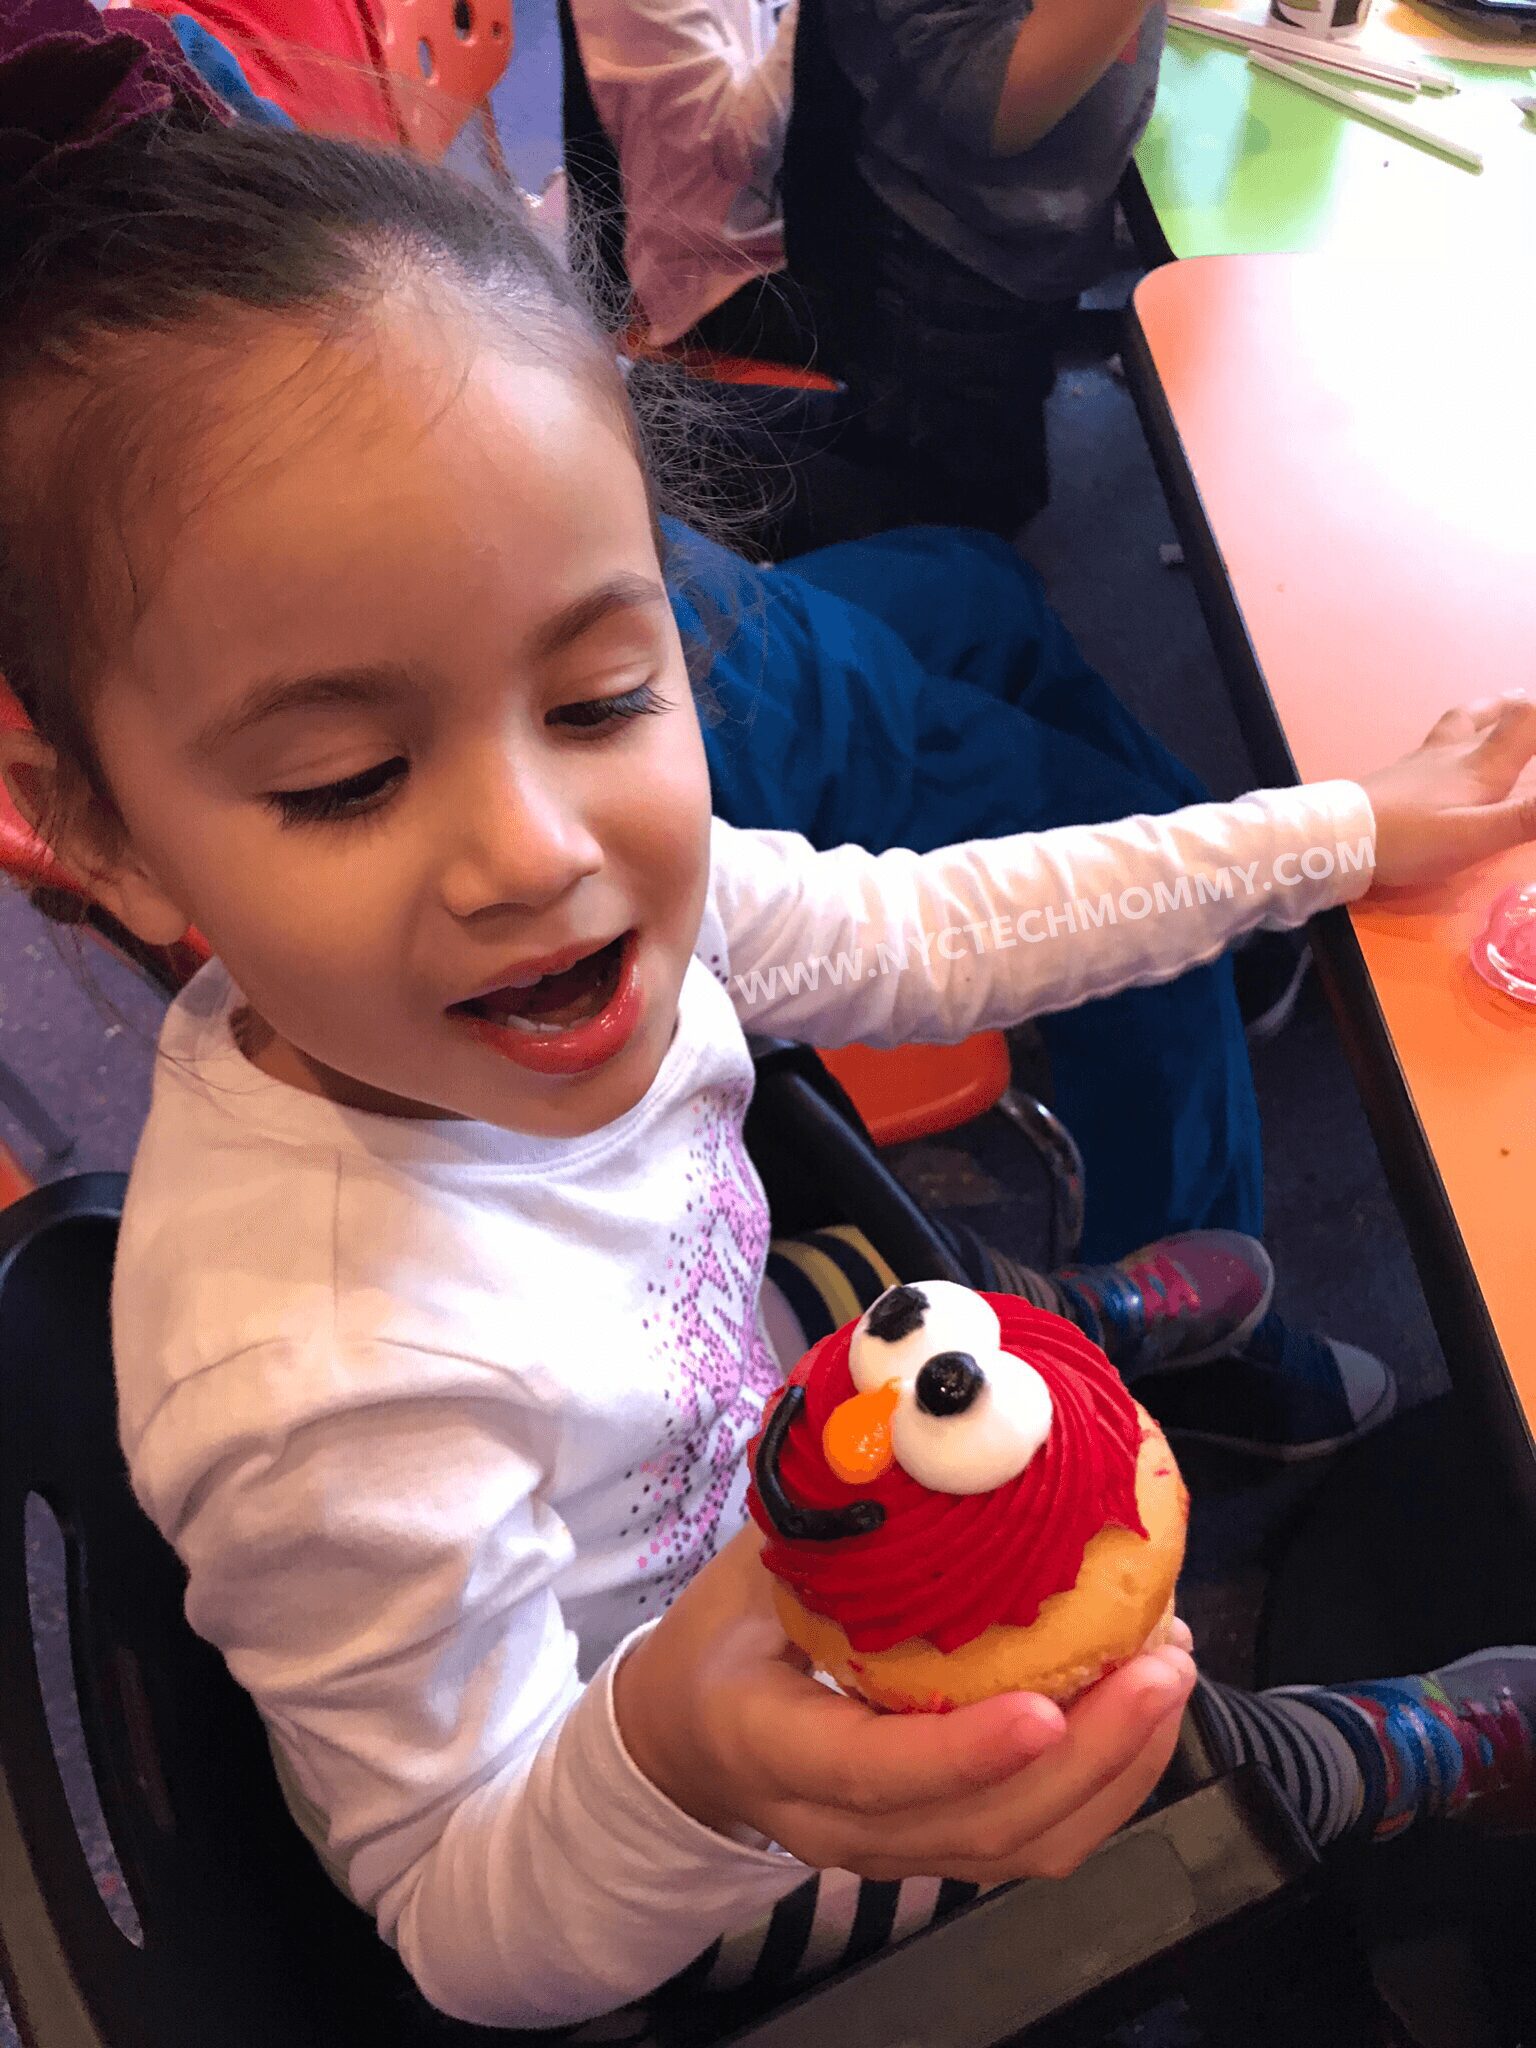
(1269, 971)
(1285, 1395)
(1185, 1299)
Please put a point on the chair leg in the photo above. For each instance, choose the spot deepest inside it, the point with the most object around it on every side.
(17, 1098)
(1056, 1149)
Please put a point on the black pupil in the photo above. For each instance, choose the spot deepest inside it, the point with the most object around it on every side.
(949, 1383)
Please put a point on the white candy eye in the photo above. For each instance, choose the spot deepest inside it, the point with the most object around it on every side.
(908, 1325)
(966, 1424)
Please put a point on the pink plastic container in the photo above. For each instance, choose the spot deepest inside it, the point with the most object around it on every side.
(1504, 952)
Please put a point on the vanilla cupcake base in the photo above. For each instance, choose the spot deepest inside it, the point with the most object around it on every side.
(1122, 1602)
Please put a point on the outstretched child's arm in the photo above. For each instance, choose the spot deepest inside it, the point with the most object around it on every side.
(997, 79)
(1063, 49)
(850, 946)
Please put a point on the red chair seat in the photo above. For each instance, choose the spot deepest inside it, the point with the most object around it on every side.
(14, 1183)
(23, 855)
(919, 1091)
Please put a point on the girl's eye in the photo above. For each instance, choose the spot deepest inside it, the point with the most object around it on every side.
(597, 713)
(348, 798)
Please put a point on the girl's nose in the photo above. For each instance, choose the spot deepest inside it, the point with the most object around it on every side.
(520, 843)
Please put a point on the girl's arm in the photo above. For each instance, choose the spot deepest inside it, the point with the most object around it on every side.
(674, 86)
(995, 79)
(1063, 50)
(379, 1579)
(899, 947)
(849, 946)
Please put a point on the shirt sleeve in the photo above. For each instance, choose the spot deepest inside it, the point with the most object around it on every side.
(895, 948)
(673, 83)
(949, 58)
(380, 1579)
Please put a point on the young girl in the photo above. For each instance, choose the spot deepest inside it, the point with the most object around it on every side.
(329, 579)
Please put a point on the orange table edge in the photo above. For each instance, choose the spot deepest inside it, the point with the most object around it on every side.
(1461, 1315)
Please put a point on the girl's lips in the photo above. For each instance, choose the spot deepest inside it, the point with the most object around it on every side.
(578, 1048)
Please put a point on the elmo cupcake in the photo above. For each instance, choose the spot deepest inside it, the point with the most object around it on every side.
(961, 1499)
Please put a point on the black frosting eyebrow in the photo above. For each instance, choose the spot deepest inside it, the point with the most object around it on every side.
(897, 1314)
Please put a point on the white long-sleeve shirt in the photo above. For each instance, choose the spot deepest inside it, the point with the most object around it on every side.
(695, 97)
(438, 1415)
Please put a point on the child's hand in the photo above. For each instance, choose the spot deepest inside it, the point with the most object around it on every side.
(718, 1711)
(1450, 804)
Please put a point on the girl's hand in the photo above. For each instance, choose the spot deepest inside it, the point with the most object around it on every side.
(1450, 804)
(717, 1710)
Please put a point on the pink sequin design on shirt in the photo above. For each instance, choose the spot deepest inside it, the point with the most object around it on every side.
(716, 1366)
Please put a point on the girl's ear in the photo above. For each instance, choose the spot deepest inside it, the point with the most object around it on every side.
(82, 833)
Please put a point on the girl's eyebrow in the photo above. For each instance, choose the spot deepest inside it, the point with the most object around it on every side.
(357, 686)
(375, 685)
(624, 592)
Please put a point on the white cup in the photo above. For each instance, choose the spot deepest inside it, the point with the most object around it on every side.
(1321, 17)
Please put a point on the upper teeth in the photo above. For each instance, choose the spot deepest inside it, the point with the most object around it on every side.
(523, 980)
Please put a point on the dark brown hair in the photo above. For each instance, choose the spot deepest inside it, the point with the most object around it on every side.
(163, 235)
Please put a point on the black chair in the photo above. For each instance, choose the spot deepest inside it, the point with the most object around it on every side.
(245, 1943)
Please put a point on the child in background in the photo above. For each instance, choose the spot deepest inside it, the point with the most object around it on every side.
(695, 100)
(438, 1313)
(949, 183)
(319, 62)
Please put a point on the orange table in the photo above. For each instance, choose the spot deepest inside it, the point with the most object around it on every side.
(1350, 452)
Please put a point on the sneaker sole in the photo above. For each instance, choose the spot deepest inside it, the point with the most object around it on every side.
(1232, 1340)
(1298, 1454)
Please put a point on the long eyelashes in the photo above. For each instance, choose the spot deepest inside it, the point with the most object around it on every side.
(596, 712)
(350, 798)
(355, 796)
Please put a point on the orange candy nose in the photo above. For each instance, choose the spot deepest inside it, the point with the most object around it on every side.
(856, 1442)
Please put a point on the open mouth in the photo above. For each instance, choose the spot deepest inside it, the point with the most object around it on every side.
(567, 1021)
(552, 1003)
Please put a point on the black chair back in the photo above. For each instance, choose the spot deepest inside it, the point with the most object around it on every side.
(822, 196)
(245, 1940)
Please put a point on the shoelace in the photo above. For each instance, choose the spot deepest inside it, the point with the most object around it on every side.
(1496, 1745)
(1165, 1289)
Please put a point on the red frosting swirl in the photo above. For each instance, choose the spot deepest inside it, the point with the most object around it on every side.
(947, 1566)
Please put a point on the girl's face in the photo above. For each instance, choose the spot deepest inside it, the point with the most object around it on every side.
(405, 731)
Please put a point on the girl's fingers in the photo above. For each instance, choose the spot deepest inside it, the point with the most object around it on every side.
(833, 1753)
(1494, 828)
(1106, 1732)
(1508, 744)
(1463, 720)
(891, 1851)
(1488, 711)
(1455, 724)
(1059, 1851)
